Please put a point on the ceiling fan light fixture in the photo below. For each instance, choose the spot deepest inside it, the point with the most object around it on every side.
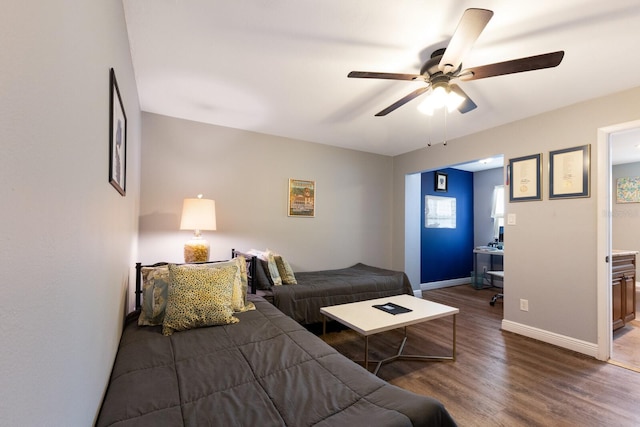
(440, 96)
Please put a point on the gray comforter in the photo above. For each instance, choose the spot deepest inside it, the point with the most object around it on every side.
(317, 289)
(266, 370)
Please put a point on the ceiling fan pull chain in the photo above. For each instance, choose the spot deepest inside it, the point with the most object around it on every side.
(445, 126)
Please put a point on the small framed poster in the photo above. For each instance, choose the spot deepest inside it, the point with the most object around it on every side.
(302, 198)
(441, 183)
(628, 190)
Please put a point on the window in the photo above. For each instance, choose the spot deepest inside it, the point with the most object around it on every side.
(497, 210)
(439, 212)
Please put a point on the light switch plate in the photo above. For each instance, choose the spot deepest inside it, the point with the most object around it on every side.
(511, 219)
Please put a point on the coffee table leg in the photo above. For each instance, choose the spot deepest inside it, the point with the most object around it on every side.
(454, 337)
(366, 352)
(324, 326)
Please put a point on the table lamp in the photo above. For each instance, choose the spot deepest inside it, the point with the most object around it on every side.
(197, 215)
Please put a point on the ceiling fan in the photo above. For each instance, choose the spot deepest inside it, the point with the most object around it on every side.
(446, 65)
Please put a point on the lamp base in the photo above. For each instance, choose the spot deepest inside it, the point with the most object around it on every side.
(196, 250)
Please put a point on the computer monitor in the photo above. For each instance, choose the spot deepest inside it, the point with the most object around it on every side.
(501, 234)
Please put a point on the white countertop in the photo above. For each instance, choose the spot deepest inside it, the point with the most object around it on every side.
(615, 252)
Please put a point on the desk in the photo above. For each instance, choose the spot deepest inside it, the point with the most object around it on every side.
(487, 250)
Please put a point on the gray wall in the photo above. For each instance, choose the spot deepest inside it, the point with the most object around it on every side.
(483, 185)
(67, 238)
(247, 174)
(625, 220)
(551, 252)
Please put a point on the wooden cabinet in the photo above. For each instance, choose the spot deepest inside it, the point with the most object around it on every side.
(623, 288)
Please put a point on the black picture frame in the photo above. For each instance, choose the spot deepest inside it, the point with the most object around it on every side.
(525, 178)
(441, 182)
(569, 172)
(117, 137)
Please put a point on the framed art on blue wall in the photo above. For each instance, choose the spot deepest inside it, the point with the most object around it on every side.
(441, 182)
(117, 138)
(525, 178)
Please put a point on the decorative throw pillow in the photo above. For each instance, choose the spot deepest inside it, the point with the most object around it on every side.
(269, 264)
(199, 296)
(263, 281)
(240, 287)
(273, 267)
(285, 270)
(155, 285)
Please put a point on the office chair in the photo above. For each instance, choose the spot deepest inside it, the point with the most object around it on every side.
(499, 275)
(495, 298)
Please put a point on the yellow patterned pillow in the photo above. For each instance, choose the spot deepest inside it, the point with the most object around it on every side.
(240, 282)
(199, 296)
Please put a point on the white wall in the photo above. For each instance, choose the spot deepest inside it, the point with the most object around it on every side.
(551, 252)
(67, 238)
(247, 174)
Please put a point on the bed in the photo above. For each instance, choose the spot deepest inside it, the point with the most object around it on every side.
(312, 290)
(265, 369)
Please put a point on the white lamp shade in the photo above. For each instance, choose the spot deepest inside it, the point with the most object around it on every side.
(198, 214)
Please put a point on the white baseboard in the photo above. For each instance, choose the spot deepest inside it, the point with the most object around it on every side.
(444, 283)
(588, 348)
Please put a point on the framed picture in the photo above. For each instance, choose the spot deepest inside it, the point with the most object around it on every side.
(302, 198)
(117, 138)
(524, 175)
(441, 182)
(569, 171)
(628, 190)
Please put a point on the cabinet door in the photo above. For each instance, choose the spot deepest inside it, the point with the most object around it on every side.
(629, 295)
(616, 299)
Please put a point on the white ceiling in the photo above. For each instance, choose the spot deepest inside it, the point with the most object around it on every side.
(280, 66)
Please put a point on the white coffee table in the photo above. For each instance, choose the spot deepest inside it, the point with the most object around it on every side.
(367, 320)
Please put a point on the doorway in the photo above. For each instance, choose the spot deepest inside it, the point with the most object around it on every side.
(621, 347)
(414, 218)
(625, 235)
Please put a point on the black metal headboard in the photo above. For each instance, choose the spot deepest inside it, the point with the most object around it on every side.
(251, 274)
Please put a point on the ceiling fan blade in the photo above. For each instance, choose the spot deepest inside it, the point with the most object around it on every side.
(402, 101)
(467, 105)
(389, 76)
(537, 62)
(469, 28)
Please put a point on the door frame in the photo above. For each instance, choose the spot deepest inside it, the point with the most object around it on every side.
(603, 234)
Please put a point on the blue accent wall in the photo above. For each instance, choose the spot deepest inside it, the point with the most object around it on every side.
(447, 253)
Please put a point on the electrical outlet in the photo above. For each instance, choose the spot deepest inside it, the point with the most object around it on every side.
(524, 304)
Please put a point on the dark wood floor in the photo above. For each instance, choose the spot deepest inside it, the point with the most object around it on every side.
(501, 378)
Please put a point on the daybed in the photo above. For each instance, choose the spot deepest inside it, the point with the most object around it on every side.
(263, 370)
(315, 289)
